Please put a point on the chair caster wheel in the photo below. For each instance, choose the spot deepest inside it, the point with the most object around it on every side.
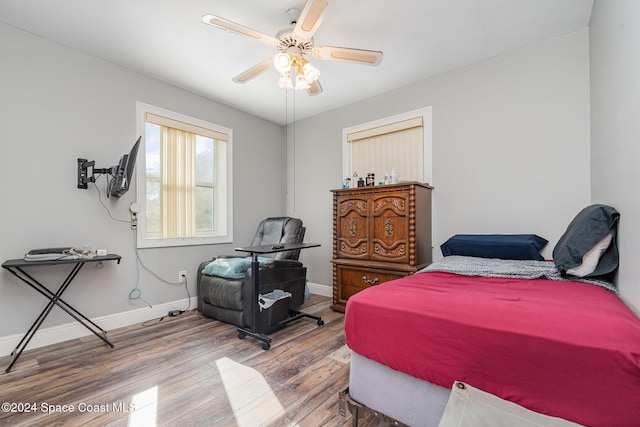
(320, 322)
(241, 335)
(266, 346)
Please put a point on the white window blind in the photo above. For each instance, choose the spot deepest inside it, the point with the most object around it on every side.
(188, 127)
(178, 182)
(397, 146)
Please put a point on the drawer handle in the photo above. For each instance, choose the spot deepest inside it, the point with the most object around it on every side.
(370, 282)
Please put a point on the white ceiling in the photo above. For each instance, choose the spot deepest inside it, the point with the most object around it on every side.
(166, 39)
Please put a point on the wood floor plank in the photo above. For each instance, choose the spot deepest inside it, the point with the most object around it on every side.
(187, 370)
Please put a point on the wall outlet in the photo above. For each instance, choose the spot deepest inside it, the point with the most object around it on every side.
(182, 276)
(134, 220)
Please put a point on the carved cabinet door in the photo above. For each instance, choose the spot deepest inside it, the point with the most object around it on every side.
(352, 213)
(390, 239)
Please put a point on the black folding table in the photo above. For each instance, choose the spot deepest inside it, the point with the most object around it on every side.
(293, 315)
(17, 266)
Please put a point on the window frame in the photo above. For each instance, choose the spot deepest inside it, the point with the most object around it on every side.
(425, 113)
(225, 236)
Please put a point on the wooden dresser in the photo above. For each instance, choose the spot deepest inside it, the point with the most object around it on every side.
(380, 233)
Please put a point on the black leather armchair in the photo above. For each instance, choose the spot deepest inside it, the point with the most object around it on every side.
(229, 300)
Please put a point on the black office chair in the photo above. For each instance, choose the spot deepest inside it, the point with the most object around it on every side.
(228, 299)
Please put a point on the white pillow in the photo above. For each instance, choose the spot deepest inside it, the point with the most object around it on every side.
(591, 259)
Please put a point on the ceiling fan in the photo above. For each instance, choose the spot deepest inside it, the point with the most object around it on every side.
(292, 45)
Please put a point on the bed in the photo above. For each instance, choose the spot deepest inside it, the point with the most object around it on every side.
(523, 331)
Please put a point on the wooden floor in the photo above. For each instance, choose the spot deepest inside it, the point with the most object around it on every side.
(185, 371)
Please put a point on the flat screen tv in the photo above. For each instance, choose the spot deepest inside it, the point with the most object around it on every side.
(122, 173)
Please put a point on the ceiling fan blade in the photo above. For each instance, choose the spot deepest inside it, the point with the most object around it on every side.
(254, 71)
(360, 56)
(226, 25)
(310, 18)
(314, 88)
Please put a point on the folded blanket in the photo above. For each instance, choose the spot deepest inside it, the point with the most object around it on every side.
(519, 269)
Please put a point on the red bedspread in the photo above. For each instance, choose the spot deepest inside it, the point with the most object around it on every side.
(569, 350)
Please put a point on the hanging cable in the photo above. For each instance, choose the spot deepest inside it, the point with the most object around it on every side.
(105, 206)
(286, 135)
(186, 288)
(153, 273)
(294, 150)
(136, 292)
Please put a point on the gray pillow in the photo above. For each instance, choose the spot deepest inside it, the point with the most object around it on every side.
(584, 232)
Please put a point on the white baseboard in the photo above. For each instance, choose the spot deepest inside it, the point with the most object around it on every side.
(73, 330)
(318, 289)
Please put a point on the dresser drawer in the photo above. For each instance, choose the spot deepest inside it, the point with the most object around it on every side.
(351, 280)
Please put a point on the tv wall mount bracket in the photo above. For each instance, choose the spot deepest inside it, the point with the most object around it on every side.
(85, 177)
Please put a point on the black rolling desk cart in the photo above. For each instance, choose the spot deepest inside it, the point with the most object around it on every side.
(293, 315)
(17, 268)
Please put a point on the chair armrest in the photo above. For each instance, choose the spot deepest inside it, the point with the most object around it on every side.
(282, 263)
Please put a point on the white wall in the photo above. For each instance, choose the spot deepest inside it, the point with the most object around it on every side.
(510, 147)
(58, 104)
(615, 128)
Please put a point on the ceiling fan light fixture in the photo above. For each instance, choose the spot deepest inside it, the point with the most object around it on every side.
(310, 72)
(301, 82)
(284, 82)
(295, 71)
(282, 62)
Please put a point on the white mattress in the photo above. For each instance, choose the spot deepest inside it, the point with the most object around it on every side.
(400, 396)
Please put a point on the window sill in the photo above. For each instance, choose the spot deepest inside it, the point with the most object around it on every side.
(183, 241)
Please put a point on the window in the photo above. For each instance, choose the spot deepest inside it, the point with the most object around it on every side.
(185, 177)
(401, 143)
